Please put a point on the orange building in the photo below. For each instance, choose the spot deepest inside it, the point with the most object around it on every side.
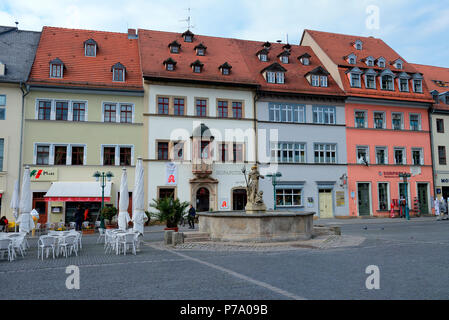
(387, 123)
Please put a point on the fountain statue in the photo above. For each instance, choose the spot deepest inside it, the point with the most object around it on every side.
(255, 202)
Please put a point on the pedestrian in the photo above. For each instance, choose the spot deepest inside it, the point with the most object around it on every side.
(4, 224)
(79, 217)
(191, 217)
(436, 205)
(86, 214)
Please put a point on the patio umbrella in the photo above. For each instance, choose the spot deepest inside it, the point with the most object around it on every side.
(123, 216)
(138, 198)
(26, 223)
(15, 203)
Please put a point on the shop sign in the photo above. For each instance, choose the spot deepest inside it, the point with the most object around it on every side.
(444, 180)
(43, 174)
(224, 204)
(171, 174)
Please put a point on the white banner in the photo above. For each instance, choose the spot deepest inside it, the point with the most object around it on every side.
(171, 174)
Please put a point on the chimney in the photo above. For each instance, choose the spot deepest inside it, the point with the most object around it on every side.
(132, 34)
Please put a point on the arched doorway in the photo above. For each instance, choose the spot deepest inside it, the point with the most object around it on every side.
(239, 199)
(202, 199)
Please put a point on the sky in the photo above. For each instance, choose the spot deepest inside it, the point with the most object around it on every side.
(416, 29)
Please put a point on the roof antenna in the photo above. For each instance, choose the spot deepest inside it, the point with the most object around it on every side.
(189, 26)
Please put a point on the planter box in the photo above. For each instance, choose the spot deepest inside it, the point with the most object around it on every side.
(88, 231)
(174, 229)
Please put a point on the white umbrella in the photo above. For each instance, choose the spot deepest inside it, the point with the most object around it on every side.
(26, 223)
(123, 215)
(15, 203)
(138, 198)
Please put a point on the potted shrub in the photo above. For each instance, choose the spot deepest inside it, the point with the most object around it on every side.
(109, 213)
(169, 211)
(148, 214)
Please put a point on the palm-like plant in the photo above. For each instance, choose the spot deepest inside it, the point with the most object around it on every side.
(169, 210)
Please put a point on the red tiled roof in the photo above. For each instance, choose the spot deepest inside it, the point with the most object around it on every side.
(82, 71)
(295, 81)
(436, 78)
(337, 46)
(154, 51)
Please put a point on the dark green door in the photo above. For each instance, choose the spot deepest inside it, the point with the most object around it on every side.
(423, 198)
(363, 197)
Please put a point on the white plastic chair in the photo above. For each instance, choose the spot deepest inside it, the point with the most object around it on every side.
(46, 242)
(102, 235)
(72, 225)
(6, 246)
(127, 240)
(18, 244)
(69, 242)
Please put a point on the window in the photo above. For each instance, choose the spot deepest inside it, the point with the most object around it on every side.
(382, 189)
(305, 61)
(200, 52)
(358, 44)
(414, 122)
(325, 153)
(125, 156)
(126, 113)
(379, 120)
(222, 109)
(42, 154)
(263, 57)
(387, 82)
(286, 113)
(417, 157)
(397, 121)
(237, 152)
(162, 105)
(178, 105)
(442, 155)
(369, 62)
(2, 150)
(370, 81)
(108, 156)
(90, 50)
(2, 107)
(205, 149)
(352, 60)
(237, 110)
(56, 70)
(362, 155)
(174, 49)
(187, 38)
(169, 66)
(201, 108)
(399, 156)
(271, 77)
(381, 155)
(279, 77)
(166, 193)
(79, 110)
(323, 81)
(399, 65)
(109, 112)
(44, 111)
(355, 80)
(288, 197)
(403, 84)
(77, 155)
(315, 80)
(178, 150)
(118, 74)
(284, 59)
(288, 152)
(417, 85)
(162, 150)
(60, 155)
(381, 62)
(225, 71)
(62, 110)
(440, 125)
(197, 69)
(324, 115)
(360, 119)
(223, 155)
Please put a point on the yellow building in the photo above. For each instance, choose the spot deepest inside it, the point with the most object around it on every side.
(83, 115)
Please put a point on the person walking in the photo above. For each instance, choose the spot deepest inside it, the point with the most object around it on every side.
(191, 217)
(79, 217)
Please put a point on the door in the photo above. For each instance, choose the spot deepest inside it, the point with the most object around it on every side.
(326, 208)
(202, 200)
(363, 199)
(238, 199)
(423, 198)
(40, 205)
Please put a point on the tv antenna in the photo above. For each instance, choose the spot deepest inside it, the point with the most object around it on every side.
(188, 20)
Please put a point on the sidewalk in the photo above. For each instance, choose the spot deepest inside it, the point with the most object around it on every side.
(370, 220)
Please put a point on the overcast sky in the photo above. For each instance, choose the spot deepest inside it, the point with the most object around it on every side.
(416, 29)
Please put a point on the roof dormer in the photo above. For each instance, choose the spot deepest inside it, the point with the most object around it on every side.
(305, 59)
(398, 64)
(263, 54)
(358, 44)
(351, 58)
(225, 68)
(197, 66)
(174, 46)
(200, 49)
(188, 36)
(274, 73)
(317, 77)
(284, 56)
(118, 72)
(381, 62)
(169, 64)
(369, 61)
(56, 68)
(90, 48)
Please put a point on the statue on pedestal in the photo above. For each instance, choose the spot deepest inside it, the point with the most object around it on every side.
(254, 196)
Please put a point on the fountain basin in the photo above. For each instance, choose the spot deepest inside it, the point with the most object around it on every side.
(264, 226)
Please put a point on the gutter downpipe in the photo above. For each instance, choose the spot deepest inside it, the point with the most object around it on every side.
(431, 112)
(24, 94)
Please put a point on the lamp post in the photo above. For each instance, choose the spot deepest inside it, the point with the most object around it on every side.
(97, 175)
(274, 183)
(404, 177)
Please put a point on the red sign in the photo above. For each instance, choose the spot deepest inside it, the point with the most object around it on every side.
(77, 199)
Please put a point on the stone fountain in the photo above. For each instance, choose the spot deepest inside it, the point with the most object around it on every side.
(256, 223)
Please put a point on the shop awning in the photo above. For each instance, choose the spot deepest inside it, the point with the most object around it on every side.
(78, 192)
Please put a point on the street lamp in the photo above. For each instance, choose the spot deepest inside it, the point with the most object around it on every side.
(274, 182)
(97, 175)
(404, 177)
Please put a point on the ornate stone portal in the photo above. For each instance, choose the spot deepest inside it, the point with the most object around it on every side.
(255, 202)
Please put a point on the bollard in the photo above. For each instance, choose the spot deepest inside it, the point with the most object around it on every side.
(177, 238)
(168, 237)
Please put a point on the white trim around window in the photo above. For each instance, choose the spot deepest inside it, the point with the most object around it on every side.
(117, 110)
(116, 153)
(53, 108)
(51, 152)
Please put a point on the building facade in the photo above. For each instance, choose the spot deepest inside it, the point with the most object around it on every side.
(17, 52)
(83, 115)
(387, 127)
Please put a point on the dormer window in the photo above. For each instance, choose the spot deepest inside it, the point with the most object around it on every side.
(304, 59)
(369, 61)
(118, 72)
(318, 77)
(175, 47)
(169, 64)
(90, 48)
(398, 64)
(417, 82)
(196, 66)
(355, 76)
(56, 68)
(263, 55)
(403, 82)
(284, 56)
(358, 45)
(225, 68)
(370, 79)
(188, 36)
(275, 73)
(436, 96)
(381, 62)
(200, 50)
(386, 79)
(351, 59)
